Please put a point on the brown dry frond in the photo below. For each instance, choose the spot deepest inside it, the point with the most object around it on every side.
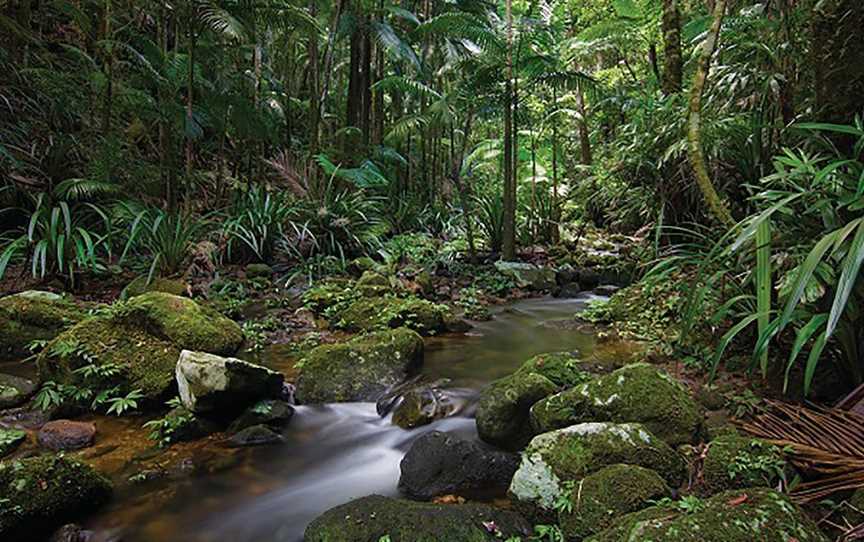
(828, 443)
(292, 175)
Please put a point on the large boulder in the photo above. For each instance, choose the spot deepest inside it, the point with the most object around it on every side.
(213, 384)
(376, 313)
(732, 516)
(372, 518)
(14, 390)
(64, 435)
(636, 393)
(33, 316)
(553, 461)
(140, 342)
(733, 461)
(361, 369)
(504, 406)
(441, 464)
(611, 492)
(38, 494)
(141, 285)
(526, 275)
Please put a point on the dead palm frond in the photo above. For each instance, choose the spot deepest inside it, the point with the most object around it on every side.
(828, 443)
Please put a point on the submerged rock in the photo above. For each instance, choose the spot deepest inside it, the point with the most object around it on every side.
(733, 462)
(504, 406)
(14, 390)
(269, 412)
(140, 341)
(527, 275)
(213, 384)
(63, 435)
(10, 440)
(33, 316)
(42, 493)
(732, 516)
(611, 492)
(441, 464)
(557, 459)
(369, 314)
(361, 369)
(372, 518)
(636, 393)
(257, 435)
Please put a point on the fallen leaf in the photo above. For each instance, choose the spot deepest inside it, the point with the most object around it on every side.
(739, 500)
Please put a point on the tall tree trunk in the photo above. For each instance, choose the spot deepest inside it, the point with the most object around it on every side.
(556, 205)
(838, 59)
(462, 188)
(584, 133)
(716, 205)
(314, 101)
(109, 70)
(509, 222)
(673, 63)
(329, 53)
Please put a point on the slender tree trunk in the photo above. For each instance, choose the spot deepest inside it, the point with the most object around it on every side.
(461, 187)
(556, 204)
(109, 70)
(584, 133)
(716, 205)
(673, 64)
(314, 102)
(328, 56)
(509, 225)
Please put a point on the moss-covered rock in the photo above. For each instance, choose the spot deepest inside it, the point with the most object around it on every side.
(504, 406)
(33, 316)
(141, 286)
(14, 390)
(258, 271)
(733, 461)
(360, 369)
(555, 460)
(39, 494)
(10, 439)
(373, 518)
(370, 314)
(607, 494)
(330, 297)
(527, 275)
(756, 514)
(372, 284)
(141, 341)
(636, 393)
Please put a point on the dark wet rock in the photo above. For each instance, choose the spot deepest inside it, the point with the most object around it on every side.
(732, 516)
(10, 440)
(558, 458)
(371, 518)
(42, 493)
(258, 270)
(33, 316)
(504, 406)
(269, 412)
(607, 494)
(25, 417)
(376, 313)
(566, 274)
(423, 405)
(361, 369)
(441, 464)
(141, 286)
(257, 435)
(183, 426)
(710, 398)
(588, 278)
(64, 435)
(527, 275)
(568, 291)
(606, 290)
(211, 384)
(72, 533)
(733, 461)
(14, 390)
(143, 339)
(635, 393)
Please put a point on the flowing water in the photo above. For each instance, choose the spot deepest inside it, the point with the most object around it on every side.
(335, 453)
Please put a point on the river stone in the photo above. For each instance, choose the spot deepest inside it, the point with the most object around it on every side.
(554, 460)
(527, 275)
(10, 440)
(370, 519)
(270, 412)
(45, 492)
(361, 369)
(441, 464)
(504, 406)
(142, 339)
(212, 384)
(422, 406)
(734, 462)
(257, 435)
(370, 314)
(64, 435)
(609, 493)
(14, 390)
(732, 516)
(635, 393)
(33, 316)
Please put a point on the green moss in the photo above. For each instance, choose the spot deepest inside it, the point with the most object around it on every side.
(360, 369)
(10, 439)
(258, 270)
(33, 316)
(569, 454)
(564, 369)
(41, 493)
(611, 492)
(330, 297)
(372, 284)
(636, 393)
(733, 462)
(369, 314)
(140, 286)
(759, 514)
(372, 518)
(504, 406)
